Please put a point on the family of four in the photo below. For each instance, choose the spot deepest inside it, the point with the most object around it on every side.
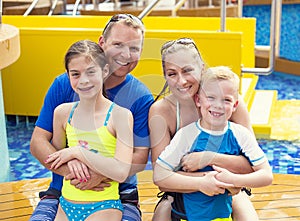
(99, 123)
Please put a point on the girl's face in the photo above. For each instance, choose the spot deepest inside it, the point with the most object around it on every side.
(86, 77)
(217, 102)
(182, 73)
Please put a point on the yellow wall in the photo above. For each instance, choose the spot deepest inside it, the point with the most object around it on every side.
(44, 41)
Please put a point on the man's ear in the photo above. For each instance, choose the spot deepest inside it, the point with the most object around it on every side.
(105, 71)
(101, 41)
(235, 105)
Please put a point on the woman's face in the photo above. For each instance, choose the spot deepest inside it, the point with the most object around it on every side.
(182, 73)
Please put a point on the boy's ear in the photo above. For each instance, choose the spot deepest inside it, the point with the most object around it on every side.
(235, 105)
(197, 99)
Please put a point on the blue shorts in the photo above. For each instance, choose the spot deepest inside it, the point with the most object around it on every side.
(81, 211)
(45, 210)
(131, 213)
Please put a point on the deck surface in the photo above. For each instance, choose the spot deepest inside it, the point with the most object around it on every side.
(278, 202)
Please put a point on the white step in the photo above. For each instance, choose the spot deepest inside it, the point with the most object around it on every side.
(261, 110)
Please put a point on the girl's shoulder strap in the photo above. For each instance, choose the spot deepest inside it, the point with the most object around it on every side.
(108, 113)
(72, 112)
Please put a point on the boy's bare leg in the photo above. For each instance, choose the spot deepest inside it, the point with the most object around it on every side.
(242, 208)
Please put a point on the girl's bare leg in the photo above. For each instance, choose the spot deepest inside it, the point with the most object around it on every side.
(242, 208)
(60, 215)
(107, 214)
(163, 210)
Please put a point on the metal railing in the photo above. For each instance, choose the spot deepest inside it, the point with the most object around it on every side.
(148, 9)
(274, 40)
(274, 27)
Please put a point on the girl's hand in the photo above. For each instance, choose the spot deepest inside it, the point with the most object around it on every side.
(79, 170)
(60, 157)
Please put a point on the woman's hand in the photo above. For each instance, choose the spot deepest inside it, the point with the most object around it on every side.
(224, 175)
(196, 160)
(210, 186)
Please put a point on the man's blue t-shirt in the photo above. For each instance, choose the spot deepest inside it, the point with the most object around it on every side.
(131, 94)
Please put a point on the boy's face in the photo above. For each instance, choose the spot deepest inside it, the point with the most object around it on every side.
(217, 101)
(123, 48)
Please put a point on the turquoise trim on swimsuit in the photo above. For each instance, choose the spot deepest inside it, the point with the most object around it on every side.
(177, 116)
(108, 114)
(106, 118)
(72, 112)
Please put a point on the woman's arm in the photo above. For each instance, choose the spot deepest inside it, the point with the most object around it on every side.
(262, 176)
(241, 116)
(198, 160)
(160, 136)
(207, 184)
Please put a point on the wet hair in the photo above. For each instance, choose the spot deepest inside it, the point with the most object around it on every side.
(220, 73)
(126, 19)
(88, 49)
(174, 46)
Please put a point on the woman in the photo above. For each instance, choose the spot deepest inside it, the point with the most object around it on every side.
(182, 66)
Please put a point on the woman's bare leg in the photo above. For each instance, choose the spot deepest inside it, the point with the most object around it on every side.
(163, 210)
(242, 208)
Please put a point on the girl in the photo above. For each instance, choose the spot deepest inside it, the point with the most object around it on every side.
(98, 134)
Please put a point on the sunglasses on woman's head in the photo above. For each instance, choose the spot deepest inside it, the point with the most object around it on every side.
(182, 41)
(118, 17)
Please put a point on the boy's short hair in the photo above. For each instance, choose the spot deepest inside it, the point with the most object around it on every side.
(220, 73)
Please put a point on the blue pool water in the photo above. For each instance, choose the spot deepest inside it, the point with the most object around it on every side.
(284, 156)
(289, 29)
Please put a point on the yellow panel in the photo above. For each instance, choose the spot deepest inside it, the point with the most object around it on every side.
(245, 25)
(25, 83)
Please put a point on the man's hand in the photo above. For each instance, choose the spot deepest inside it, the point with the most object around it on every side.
(97, 182)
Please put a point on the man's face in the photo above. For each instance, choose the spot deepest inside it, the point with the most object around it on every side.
(123, 48)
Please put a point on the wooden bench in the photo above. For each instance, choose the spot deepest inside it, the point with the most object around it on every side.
(278, 202)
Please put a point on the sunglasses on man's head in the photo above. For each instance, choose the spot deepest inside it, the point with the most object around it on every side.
(182, 41)
(118, 17)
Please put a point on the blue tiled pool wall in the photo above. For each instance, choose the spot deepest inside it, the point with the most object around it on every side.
(290, 28)
(287, 85)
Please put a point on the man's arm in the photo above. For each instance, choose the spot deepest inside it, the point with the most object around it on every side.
(198, 160)
(41, 148)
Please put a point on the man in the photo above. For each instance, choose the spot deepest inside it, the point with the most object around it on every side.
(122, 41)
